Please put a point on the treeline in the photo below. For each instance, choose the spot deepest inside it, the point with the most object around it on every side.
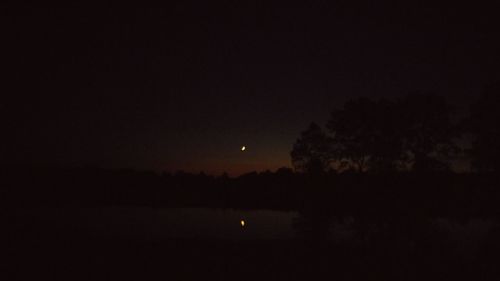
(92, 186)
(401, 194)
(413, 133)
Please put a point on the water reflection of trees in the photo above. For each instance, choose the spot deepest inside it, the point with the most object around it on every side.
(413, 234)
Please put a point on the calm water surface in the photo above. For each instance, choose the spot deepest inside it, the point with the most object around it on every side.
(169, 223)
(201, 223)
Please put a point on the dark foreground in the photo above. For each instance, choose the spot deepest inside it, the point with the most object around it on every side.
(43, 250)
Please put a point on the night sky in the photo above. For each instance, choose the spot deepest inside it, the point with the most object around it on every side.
(186, 86)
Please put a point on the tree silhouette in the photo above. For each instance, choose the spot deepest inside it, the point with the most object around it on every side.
(484, 124)
(366, 134)
(387, 152)
(312, 152)
(351, 128)
(427, 131)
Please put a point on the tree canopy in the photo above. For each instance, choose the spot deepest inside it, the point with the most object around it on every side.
(484, 124)
(414, 132)
(312, 152)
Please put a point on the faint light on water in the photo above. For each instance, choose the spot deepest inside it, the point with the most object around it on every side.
(242, 223)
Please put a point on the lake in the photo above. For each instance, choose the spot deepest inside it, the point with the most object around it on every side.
(143, 222)
(202, 223)
(138, 243)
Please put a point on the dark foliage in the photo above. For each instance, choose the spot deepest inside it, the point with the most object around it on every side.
(433, 194)
(367, 134)
(414, 132)
(484, 125)
(427, 131)
(313, 151)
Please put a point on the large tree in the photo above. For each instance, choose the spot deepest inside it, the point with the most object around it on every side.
(366, 134)
(484, 124)
(427, 131)
(312, 152)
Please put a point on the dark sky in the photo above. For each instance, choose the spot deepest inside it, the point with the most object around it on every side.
(184, 87)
